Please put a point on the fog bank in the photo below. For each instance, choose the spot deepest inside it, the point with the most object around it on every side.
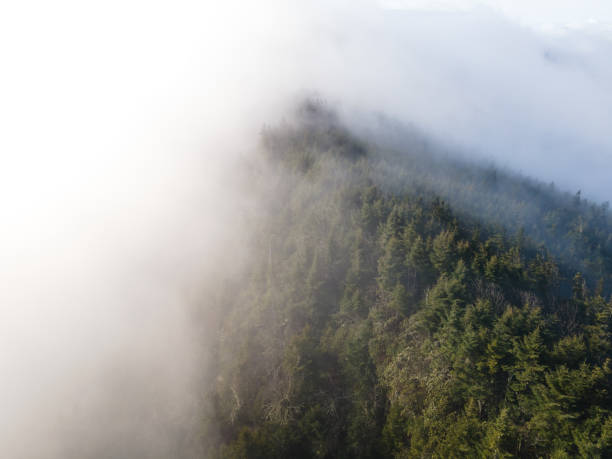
(125, 125)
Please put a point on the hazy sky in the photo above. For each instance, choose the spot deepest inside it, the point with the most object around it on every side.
(539, 13)
(528, 84)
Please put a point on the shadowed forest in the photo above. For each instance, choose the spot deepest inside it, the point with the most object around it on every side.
(402, 302)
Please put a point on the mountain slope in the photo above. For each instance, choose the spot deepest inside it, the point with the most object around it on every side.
(403, 303)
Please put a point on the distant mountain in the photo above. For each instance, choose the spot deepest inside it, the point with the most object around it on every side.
(403, 302)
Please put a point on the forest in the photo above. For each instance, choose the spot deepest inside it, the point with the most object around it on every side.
(404, 302)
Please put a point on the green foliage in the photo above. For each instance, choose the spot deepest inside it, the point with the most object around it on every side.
(388, 316)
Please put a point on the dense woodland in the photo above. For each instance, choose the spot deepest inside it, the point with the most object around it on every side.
(404, 303)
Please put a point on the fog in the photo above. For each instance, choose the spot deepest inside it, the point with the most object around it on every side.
(534, 100)
(124, 128)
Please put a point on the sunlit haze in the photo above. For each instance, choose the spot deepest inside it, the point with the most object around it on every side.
(123, 124)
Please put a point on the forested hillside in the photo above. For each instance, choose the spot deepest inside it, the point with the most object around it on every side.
(401, 303)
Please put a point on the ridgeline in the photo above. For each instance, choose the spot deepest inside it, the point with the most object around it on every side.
(404, 303)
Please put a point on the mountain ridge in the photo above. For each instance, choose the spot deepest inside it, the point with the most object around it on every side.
(377, 320)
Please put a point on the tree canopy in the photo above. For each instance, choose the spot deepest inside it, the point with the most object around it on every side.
(404, 304)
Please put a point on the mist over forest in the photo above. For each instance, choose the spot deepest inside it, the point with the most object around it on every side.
(322, 229)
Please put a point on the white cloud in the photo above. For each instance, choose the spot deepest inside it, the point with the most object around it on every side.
(549, 15)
